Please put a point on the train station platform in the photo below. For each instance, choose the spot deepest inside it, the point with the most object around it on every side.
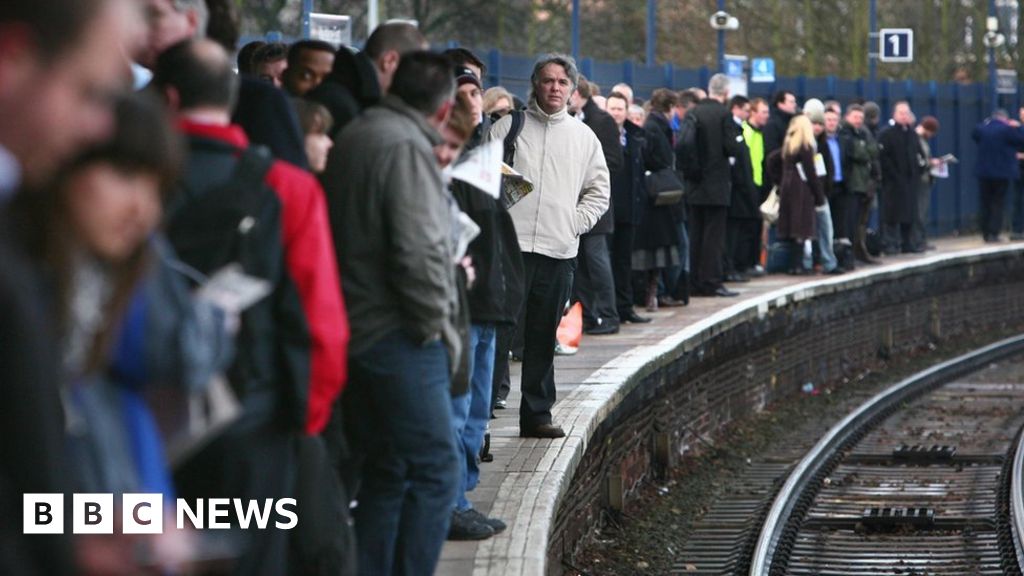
(530, 480)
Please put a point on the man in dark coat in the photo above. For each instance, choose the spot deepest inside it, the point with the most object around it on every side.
(628, 202)
(901, 168)
(783, 109)
(999, 139)
(595, 287)
(710, 197)
(743, 229)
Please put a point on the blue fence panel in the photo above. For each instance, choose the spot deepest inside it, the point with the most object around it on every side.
(646, 79)
(944, 207)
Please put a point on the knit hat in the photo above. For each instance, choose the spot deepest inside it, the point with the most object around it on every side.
(464, 75)
(814, 109)
(871, 111)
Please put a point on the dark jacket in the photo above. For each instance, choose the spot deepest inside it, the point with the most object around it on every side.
(899, 157)
(607, 132)
(31, 418)
(745, 198)
(269, 119)
(775, 130)
(629, 196)
(828, 180)
(659, 225)
(797, 196)
(717, 143)
(392, 228)
(300, 333)
(859, 153)
(998, 144)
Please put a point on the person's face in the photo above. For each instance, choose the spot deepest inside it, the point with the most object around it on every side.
(553, 88)
(637, 117)
(310, 70)
(818, 128)
(448, 151)
(618, 110)
(167, 27)
(1020, 114)
(902, 115)
(50, 110)
(112, 211)
(317, 147)
(855, 118)
(272, 71)
(741, 112)
(831, 122)
(472, 93)
(789, 104)
(759, 116)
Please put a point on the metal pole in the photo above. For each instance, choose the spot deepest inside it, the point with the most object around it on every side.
(993, 104)
(307, 8)
(372, 16)
(872, 37)
(576, 29)
(652, 30)
(721, 41)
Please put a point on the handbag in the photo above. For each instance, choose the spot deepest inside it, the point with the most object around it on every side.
(770, 207)
(664, 187)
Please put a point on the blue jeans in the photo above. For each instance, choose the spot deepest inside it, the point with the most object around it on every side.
(472, 410)
(668, 283)
(400, 392)
(823, 215)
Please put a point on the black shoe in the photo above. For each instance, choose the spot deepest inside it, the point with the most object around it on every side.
(500, 404)
(603, 329)
(485, 450)
(633, 317)
(669, 302)
(723, 292)
(542, 431)
(736, 277)
(465, 526)
(497, 525)
(836, 271)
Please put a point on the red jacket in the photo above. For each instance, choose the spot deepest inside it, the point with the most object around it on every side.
(312, 266)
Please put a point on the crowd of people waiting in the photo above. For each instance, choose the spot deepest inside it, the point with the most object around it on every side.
(245, 275)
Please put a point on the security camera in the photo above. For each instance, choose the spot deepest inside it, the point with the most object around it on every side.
(723, 21)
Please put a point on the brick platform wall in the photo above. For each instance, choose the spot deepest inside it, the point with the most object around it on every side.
(765, 356)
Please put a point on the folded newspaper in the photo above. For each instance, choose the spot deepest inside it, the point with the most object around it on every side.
(514, 186)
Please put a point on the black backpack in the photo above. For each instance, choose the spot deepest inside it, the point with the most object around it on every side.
(518, 118)
(687, 151)
(239, 220)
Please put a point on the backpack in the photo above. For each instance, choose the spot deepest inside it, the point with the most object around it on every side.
(518, 118)
(687, 151)
(239, 221)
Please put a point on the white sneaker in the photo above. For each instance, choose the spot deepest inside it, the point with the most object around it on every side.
(563, 350)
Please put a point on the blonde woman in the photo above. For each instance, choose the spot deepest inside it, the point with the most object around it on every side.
(497, 102)
(792, 169)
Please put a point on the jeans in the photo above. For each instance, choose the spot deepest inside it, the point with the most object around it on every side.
(672, 276)
(823, 217)
(471, 411)
(399, 392)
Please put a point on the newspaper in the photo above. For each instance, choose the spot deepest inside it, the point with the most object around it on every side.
(514, 186)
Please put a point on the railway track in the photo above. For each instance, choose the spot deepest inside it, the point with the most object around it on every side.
(923, 478)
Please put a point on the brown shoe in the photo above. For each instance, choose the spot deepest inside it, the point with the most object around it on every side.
(542, 431)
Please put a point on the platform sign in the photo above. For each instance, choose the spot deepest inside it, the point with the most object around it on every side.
(896, 45)
(1006, 81)
(334, 29)
(734, 68)
(762, 70)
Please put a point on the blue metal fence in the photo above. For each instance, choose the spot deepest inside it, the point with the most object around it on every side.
(958, 107)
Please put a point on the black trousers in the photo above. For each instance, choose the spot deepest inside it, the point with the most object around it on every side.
(742, 244)
(707, 244)
(547, 281)
(622, 266)
(845, 214)
(594, 285)
(990, 208)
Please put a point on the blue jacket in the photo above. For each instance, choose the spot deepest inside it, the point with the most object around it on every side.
(998, 143)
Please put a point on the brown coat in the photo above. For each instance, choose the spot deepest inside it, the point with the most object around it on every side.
(797, 198)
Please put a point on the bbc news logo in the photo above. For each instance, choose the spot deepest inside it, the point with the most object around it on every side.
(144, 514)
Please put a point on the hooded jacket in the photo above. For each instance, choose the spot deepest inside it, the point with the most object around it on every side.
(563, 159)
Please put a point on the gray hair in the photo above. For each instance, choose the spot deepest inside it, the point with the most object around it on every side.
(564, 60)
(202, 13)
(718, 85)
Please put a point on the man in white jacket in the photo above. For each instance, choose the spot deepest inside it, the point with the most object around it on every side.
(564, 160)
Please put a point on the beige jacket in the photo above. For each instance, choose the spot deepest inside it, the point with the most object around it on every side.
(564, 160)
